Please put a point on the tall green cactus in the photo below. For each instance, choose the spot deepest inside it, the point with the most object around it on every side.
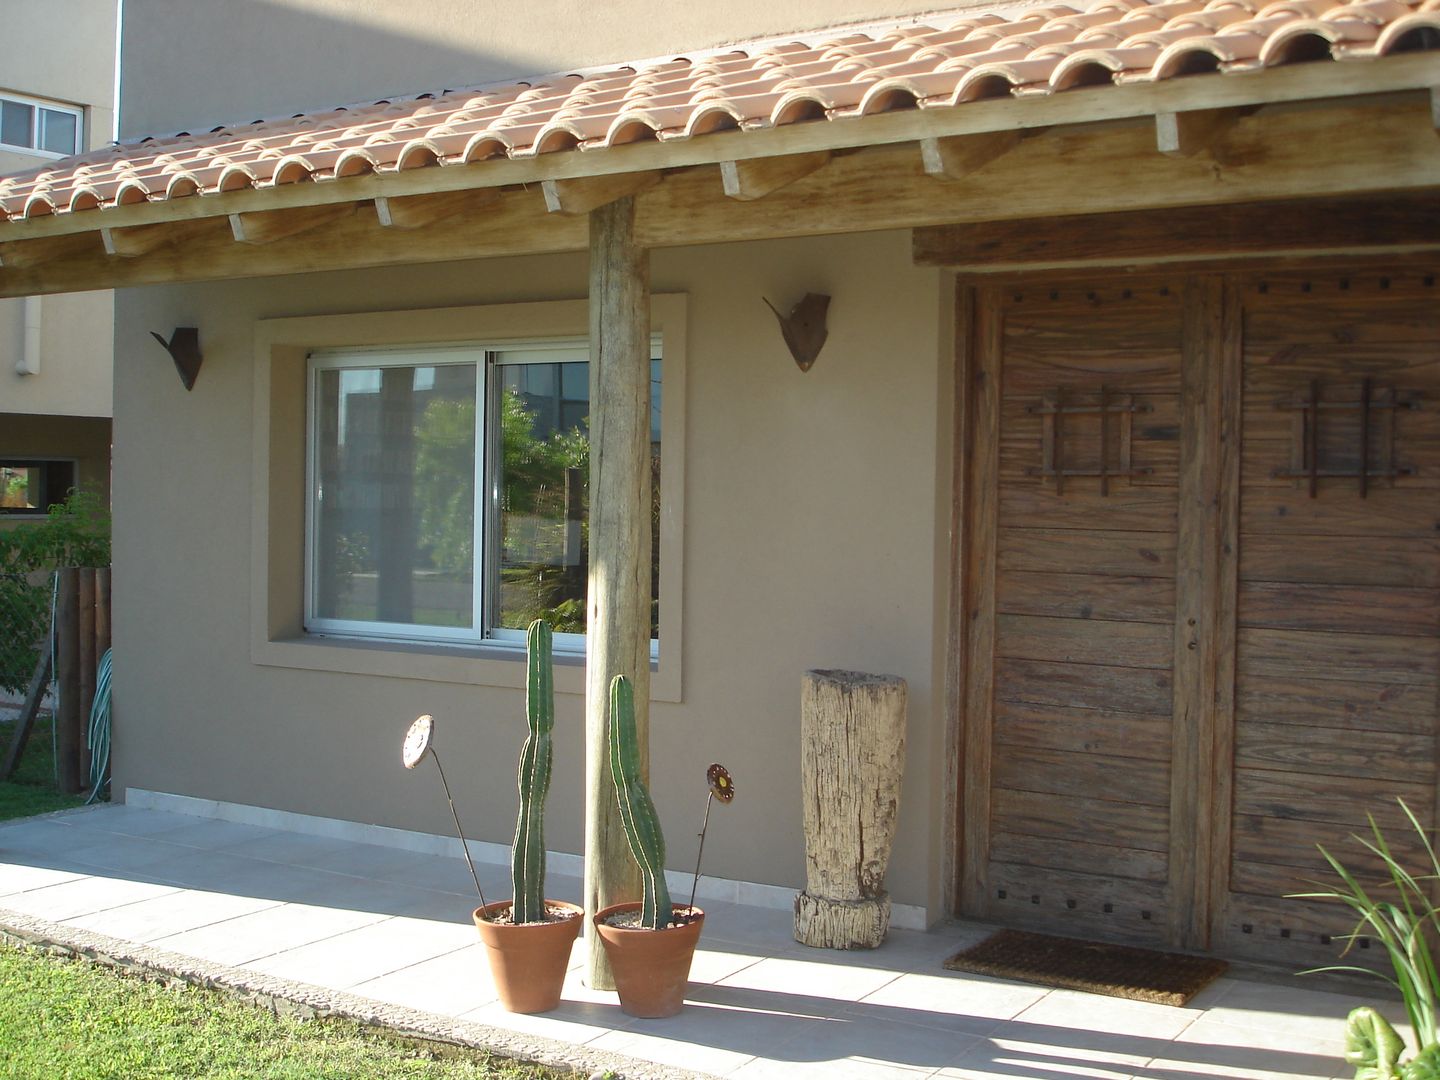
(527, 854)
(637, 812)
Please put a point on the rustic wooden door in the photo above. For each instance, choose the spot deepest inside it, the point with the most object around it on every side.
(1337, 596)
(1073, 504)
(1200, 601)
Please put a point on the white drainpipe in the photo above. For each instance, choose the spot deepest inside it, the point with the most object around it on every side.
(30, 353)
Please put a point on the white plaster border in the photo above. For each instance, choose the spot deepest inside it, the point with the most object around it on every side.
(726, 890)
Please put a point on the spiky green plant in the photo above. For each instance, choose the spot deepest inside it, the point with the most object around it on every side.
(527, 854)
(1404, 927)
(637, 811)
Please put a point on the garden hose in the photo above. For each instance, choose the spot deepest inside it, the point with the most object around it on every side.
(98, 738)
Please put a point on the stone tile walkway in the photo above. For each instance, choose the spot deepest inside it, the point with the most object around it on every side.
(385, 933)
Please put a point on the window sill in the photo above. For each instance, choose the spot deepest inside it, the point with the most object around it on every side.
(490, 664)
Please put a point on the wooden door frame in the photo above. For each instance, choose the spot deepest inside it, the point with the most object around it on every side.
(1208, 518)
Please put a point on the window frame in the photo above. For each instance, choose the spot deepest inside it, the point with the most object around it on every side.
(37, 104)
(22, 513)
(278, 488)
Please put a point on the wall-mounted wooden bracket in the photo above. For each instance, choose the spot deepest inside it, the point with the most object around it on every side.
(1111, 412)
(1313, 456)
(804, 328)
(184, 349)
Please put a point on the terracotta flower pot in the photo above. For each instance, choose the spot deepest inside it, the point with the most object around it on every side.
(528, 961)
(651, 967)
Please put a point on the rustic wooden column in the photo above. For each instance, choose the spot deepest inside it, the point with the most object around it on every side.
(617, 638)
(852, 759)
(69, 727)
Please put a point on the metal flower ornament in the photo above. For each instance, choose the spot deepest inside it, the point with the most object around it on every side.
(419, 741)
(717, 778)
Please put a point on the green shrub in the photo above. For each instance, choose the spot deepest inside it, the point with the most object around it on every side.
(74, 533)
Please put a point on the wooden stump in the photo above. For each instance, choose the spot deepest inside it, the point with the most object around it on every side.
(852, 731)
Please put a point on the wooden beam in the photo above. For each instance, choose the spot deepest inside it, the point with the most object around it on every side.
(1397, 224)
(265, 227)
(416, 211)
(138, 240)
(591, 193)
(1416, 72)
(957, 157)
(32, 254)
(1185, 134)
(618, 634)
(755, 178)
(1360, 148)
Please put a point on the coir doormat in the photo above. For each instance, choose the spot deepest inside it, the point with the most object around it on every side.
(1113, 970)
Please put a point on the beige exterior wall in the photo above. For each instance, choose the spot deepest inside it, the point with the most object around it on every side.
(814, 535)
(61, 51)
(240, 62)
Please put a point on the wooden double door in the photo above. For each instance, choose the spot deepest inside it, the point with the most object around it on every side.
(1200, 599)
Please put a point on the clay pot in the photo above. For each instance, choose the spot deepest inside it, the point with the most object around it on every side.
(651, 967)
(528, 961)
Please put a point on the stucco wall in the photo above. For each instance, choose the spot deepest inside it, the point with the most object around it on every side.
(240, 62)
(61, 51)
(814, 536)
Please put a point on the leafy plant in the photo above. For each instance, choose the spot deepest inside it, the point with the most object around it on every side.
(74, 533)
(1407, 926)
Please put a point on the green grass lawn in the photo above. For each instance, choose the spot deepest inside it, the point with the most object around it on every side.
(64, 1019)
(32, 789)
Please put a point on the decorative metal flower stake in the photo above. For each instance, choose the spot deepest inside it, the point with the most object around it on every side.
(722, 788)
(417, 744)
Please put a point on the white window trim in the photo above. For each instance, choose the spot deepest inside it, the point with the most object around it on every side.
(54, 106)
(279, 486)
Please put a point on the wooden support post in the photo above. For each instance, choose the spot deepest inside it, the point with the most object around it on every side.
(69, 735)
(852, 761)
(618, 605)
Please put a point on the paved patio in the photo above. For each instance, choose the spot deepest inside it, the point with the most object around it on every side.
(384, 933)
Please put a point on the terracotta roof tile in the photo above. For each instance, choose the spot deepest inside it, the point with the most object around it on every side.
(944, 61)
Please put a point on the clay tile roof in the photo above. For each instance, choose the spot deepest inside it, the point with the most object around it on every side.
(940, 60)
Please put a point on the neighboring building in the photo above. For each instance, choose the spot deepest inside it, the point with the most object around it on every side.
(1122, 449)
(57, 97)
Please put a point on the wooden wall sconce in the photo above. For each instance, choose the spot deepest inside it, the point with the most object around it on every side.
(184, 349)
(804, 328)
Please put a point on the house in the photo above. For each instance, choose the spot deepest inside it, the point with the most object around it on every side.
(57, 97)
(1122, 448)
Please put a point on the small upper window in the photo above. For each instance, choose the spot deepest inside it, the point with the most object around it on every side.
(30, 487)
(39, 126)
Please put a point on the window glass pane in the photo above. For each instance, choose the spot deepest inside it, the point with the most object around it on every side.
(541, 484)
(15, 123)
(20, 488)
(58, 131)
(395, 509)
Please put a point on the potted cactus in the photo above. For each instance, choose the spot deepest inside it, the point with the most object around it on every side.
(527, 939)
(649, 944)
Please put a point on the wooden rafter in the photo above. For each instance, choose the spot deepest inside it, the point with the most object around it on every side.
(580, 196)
(265, 227)
(1185, 134)
(758, 177)
(1313, 153)
(141, 240)
(1398, 224)
(415, 211)
(957, 157)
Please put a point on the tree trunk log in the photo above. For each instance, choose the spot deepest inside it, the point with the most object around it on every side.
(618, 631)
(852, 732)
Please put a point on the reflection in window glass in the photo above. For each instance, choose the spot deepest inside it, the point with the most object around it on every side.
(57, 131)
(542, 490)
(16, 122)
(395, 508)
(30, 487)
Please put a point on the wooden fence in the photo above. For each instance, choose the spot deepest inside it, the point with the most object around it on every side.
(82, 634)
